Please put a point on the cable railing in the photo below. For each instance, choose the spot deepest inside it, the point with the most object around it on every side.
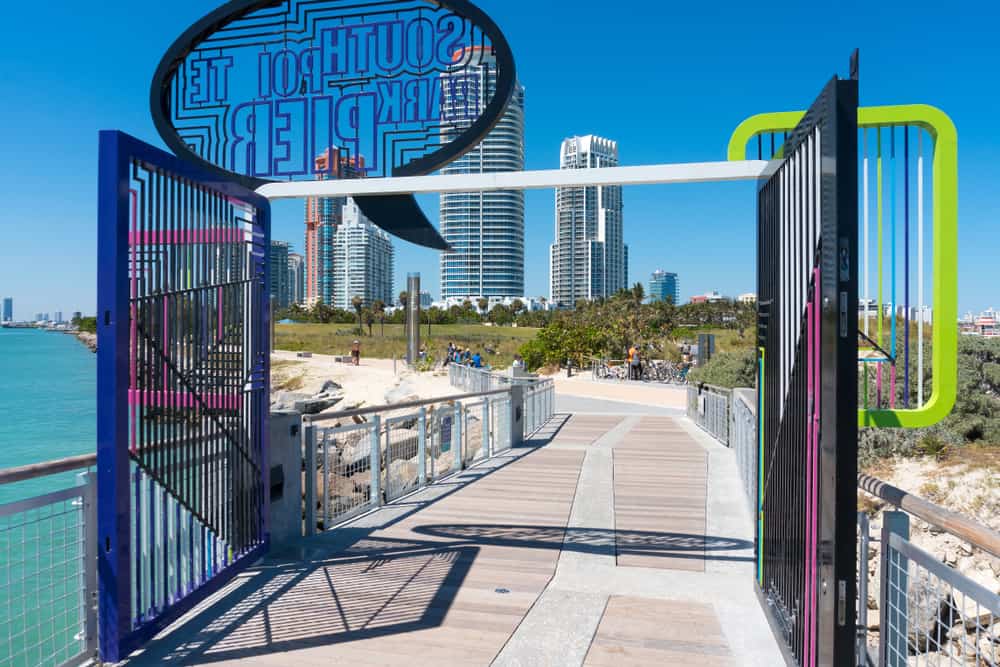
(358, 460)
(928, 613)
(708, 407)
(48, 569)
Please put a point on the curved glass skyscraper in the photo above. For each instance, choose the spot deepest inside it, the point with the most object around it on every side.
(484, 229)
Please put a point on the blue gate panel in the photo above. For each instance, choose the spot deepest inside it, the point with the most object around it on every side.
(183, 372)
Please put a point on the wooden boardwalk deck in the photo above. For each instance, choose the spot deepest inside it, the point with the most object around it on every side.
(660, 492)
(448, 581)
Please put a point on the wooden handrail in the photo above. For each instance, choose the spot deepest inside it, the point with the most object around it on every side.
(35, 470)
(958, 525)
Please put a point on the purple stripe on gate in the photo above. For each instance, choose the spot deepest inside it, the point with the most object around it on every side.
(187, 236)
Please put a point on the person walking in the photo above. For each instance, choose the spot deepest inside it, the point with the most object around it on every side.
(356, 352)
(628, 361)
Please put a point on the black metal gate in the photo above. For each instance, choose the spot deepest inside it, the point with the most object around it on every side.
(807, 329)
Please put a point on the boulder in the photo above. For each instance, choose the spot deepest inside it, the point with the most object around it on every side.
(931, 614)
(315, 405)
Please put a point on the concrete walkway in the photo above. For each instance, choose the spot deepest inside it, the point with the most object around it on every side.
(610, 538)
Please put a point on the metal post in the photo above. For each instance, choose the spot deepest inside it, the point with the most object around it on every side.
(486, 428)
(309, 441)
(422, 448)
(375, 472)
(412, 318)
(326, 493)
(861, 653)
(458, 437)
(517, 430)
(89, 509)
(893, 583)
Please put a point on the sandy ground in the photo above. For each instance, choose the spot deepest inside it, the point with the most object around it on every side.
(372, 383)
(640, 393)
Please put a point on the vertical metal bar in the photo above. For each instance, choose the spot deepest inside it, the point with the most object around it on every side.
(861, 652)
(893, 589)
(376, 461)
(309, 439)
(326, 477)
(112, 394)
(90, 548)
(457, 437)
(422, 448)
(486, 428)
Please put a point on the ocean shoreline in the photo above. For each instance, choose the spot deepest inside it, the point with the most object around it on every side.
(87, 338)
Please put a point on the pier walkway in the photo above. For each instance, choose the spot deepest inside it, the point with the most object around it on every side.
(609, 539)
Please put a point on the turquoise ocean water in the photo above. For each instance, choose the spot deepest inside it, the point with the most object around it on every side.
(47, 411)
(48, 407)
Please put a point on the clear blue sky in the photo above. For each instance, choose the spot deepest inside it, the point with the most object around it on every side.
(667, 80)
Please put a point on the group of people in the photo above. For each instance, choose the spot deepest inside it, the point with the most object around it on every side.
(464, 357)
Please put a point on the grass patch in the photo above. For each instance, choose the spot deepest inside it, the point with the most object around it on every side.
(497, 345)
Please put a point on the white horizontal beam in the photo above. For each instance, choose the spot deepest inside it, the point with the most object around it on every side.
(693, 172)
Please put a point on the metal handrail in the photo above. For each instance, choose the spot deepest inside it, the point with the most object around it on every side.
(35, 470)
(401, 406)
(974, 533)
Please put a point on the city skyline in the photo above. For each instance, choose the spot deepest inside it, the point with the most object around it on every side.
(606, 99)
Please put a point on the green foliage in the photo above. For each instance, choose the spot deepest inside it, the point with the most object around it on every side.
(88, 324)
(737, 368)
(974, 420)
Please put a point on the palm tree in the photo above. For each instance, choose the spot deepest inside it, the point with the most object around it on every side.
(379, 308)
(357, 302)
(483, 304)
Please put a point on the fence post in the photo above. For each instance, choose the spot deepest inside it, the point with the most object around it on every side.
(422, 448)
(309, 441)
(861, 652)
(89, 509)
(375, 465)
(486, 428)
(892, 587)
(517, 415)
(457, 438)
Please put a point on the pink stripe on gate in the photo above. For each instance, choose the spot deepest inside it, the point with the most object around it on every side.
(807, 615)
(814, 447)
(183, 399)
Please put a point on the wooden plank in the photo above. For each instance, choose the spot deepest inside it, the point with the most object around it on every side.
(640, 631)
(661, 490)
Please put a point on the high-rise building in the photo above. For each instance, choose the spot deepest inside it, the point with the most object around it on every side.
(8, 309)
(323, 215)
(664, 285)
(484, 229)
(589, 259)
(363, 259)
(296, 278)
(58, 317)
(279, 288)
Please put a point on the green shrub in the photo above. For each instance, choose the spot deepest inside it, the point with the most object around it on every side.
(729, 369)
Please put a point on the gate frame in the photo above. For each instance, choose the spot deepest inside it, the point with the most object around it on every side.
(116, 151)
(837, 450)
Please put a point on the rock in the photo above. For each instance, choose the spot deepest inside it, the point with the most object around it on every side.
(314, 406)
(401, 474)
(965, 549)
(330, 387)
(930, 616)
(401, 393)
(286, 400)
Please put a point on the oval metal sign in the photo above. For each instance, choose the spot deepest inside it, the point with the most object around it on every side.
(277, 90)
